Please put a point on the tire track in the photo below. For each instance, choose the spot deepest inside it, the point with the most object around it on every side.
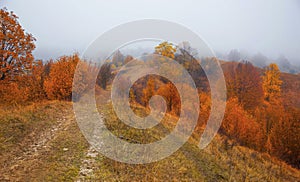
(34, 149)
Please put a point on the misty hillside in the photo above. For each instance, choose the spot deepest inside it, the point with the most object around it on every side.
(260, 60)
(90, 115)
(290, 86)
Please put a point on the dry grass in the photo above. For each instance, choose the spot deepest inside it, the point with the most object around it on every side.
(220, 161)
(33, 139)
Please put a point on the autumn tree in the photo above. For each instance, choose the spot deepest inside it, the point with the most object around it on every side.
(132, 97)
(245, 83)
(35, 81)
(149, 91)
(85, 72)
(166, 49)
(59, 83)
(16, 46)
(240, 126)
(187, 52)
(104, 75)
(118, 58)
(272, 83)
(194, 69)
(285, 136)
(171, 95)
(24, 88)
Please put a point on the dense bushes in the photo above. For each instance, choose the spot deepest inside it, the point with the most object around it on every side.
(285, 136)
(50, 80)
(12, 93)
(240, 126)
(58, 85)
(269, 124)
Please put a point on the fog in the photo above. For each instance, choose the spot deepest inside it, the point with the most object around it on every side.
(270, 27)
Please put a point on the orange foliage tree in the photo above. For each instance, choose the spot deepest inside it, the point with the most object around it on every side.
(32, 84)
(244, 82)
(171, 95)
(16, 47)
(59, 83)
(285, 137)
(241, 127)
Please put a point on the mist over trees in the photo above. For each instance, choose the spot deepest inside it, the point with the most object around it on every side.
(260, 60)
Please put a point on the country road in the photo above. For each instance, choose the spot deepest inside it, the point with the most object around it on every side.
(45, 149)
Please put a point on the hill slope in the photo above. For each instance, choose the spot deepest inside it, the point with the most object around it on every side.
(56, 151)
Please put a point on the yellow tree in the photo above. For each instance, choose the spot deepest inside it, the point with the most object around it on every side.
(273, 109)
(272, 83)
(166, 49)
(16, 46)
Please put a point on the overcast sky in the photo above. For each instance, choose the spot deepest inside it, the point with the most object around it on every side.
(271, 27)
